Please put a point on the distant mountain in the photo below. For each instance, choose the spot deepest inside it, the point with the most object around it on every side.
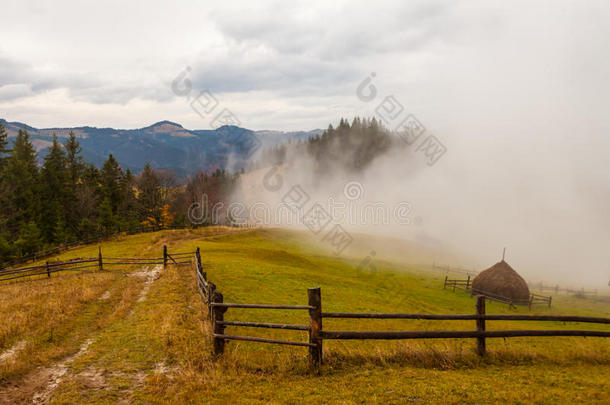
(165, 145)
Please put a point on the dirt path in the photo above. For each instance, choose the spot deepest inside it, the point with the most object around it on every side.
(151, 276)
(9, 353)
(38, 386)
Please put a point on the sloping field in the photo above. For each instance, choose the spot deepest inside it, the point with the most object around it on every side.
(141, 335)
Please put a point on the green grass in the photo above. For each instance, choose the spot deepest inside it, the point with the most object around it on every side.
(159, 350)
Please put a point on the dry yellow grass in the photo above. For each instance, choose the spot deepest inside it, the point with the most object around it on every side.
(158, 349)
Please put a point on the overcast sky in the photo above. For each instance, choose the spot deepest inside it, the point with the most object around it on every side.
(294, 65)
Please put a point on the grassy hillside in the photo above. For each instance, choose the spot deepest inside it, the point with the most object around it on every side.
(138, 335)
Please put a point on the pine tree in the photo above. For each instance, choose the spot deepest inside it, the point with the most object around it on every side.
(54, 190)
(88, 196)
(128, 208)
(20, 185)
(29, 240)
(75, 168)
(3, 146)
(106, 217)
(74, 160)
(4, 194)
(110, 188)
(149, 197)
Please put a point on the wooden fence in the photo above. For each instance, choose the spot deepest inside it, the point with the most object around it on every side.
(99, 238)
(96, 239)
(461, 284)
(454, 269)
(217, 309)
(557, 289)
(466, 285)
(91, 264)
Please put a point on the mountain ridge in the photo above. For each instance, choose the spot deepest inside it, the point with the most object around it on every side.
(164, 144)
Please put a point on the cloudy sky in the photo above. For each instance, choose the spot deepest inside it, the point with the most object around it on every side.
(295, 65)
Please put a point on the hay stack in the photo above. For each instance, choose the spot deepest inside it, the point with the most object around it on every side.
(501, 280)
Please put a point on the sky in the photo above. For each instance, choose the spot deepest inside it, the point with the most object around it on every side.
(516, 91)
(296, 65)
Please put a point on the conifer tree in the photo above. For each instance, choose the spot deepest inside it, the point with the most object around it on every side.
(75, 169)
(21, 185)
(54, 192)
(150, 196)
(111, 175)
(3, 146)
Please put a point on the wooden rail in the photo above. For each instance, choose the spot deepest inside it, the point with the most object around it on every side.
(317, 334)
(91, 264)
(461, 284)
(466, 285)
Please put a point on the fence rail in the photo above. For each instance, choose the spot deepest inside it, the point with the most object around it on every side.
(99, 238)
(460, 284)
(217, 308)
(466, 285)
(91, 264)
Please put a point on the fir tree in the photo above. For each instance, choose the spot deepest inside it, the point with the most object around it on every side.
(54, 191)
(3, 146)
(21, 184)
(111, 175)
(107, 219)
(75, 168)
(29, 240)
(149, 197)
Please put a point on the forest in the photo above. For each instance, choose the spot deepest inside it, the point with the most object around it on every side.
(349, 147)
(66, 199)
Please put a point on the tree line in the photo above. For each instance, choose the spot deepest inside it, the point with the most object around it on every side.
(350, 147)
(65, 199)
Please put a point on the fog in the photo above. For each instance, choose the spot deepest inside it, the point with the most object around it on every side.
(521, 114)
(545, 209)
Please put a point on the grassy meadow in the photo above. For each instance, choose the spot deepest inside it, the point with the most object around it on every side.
(133, 335)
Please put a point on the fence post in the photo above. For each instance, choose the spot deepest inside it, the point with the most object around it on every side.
(445, 283)
(48, 270)
(481, 324)
(198, 256)
(217, 326)
(550, 298)
(531, 300)
(164, 256)
(211, 291)
(99, 258)
(315, 325)
(468, 282)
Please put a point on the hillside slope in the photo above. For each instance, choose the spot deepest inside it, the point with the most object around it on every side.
(165, 145)
(142, 336)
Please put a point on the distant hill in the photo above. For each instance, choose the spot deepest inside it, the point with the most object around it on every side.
(165, 145)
